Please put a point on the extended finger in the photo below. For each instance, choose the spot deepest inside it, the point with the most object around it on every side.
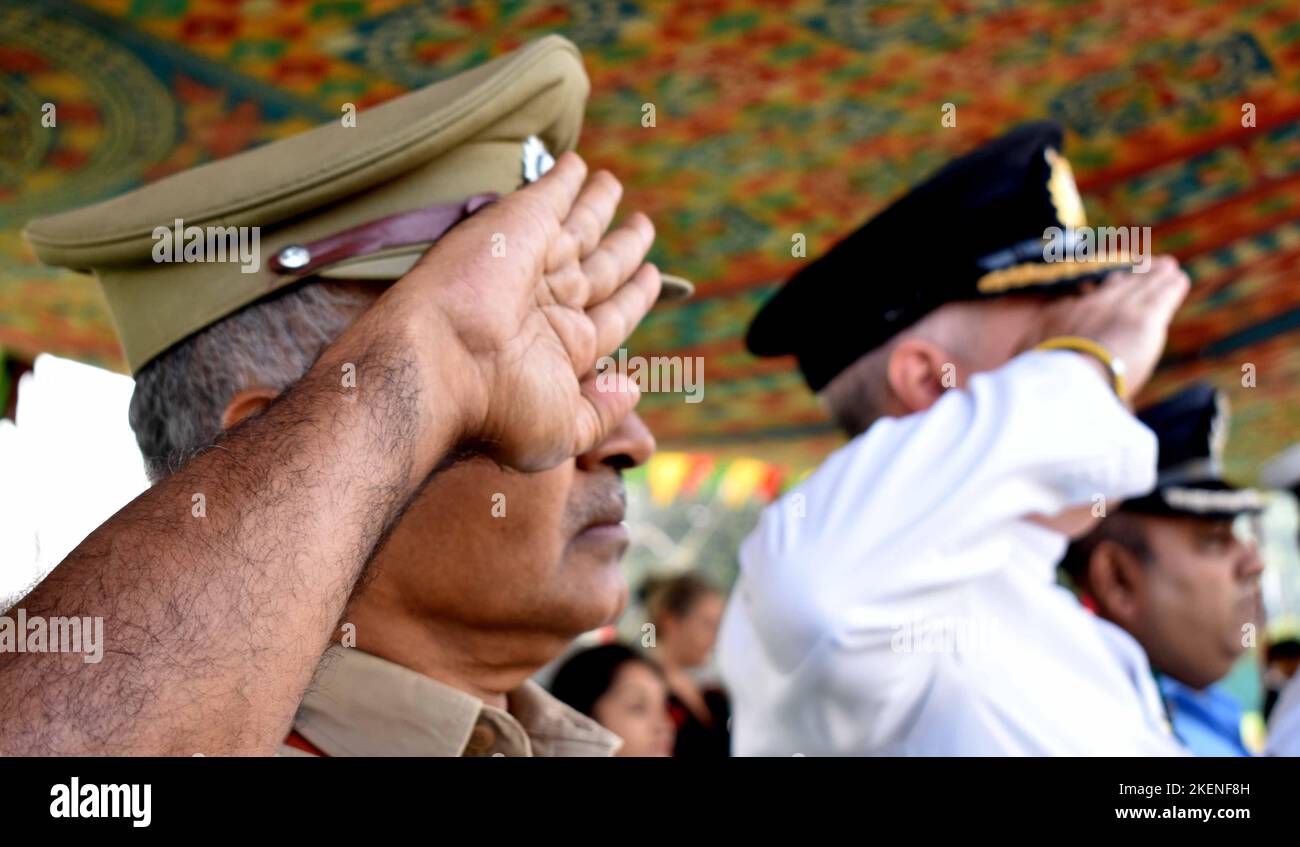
(557, 189)
(619, 255)
(1113, 286)
(1169, 292)
(617, 316)
(593, 211)
(1163, 279)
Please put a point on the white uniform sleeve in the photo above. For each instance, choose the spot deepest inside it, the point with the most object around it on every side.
(883, 521)
(1284, 725)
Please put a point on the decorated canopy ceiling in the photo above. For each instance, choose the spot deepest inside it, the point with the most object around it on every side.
(771, 119)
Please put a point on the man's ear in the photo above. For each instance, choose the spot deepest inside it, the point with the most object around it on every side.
(919, 372)
(1116, 580)
(246, 403)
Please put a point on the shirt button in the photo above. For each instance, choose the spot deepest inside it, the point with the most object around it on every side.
(480, 740)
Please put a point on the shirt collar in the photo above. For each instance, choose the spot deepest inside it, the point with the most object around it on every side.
(362, 705)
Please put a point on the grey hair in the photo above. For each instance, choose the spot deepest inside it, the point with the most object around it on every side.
(181, 395)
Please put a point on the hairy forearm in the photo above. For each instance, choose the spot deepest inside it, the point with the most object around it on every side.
(219, 587)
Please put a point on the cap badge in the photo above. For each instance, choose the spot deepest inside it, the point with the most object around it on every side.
(1064, 193)
(537, 159)
(1219, 429)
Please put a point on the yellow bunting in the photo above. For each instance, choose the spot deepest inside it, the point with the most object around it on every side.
(739, 480)
(664, 474)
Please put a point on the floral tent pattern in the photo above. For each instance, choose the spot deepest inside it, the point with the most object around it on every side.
(773, 118)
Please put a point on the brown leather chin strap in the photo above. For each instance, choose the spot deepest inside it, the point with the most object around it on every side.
(417, 226)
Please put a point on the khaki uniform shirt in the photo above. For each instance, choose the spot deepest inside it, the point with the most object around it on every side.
(362, 705)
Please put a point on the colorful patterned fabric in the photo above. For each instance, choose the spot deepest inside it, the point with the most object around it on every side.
(772, 119)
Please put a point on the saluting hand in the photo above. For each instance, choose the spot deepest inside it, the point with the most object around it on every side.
(526, 295)
(1129, 313)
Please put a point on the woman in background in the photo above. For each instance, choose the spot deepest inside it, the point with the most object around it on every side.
(686, 611)
(624, 692)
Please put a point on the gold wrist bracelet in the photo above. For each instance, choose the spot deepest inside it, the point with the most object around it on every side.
(1079, 344)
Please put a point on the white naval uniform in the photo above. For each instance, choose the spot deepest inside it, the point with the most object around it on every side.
(837, 637)
(1284, 725)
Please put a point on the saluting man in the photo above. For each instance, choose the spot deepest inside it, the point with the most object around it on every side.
(358, 401)
(903, 600)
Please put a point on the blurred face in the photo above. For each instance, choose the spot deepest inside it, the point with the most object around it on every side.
(691, 637)
(496, 550)
(1195, 596)
(636, 709)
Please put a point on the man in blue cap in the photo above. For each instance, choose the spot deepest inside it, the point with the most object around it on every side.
(1178, 569)
(902, 600)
